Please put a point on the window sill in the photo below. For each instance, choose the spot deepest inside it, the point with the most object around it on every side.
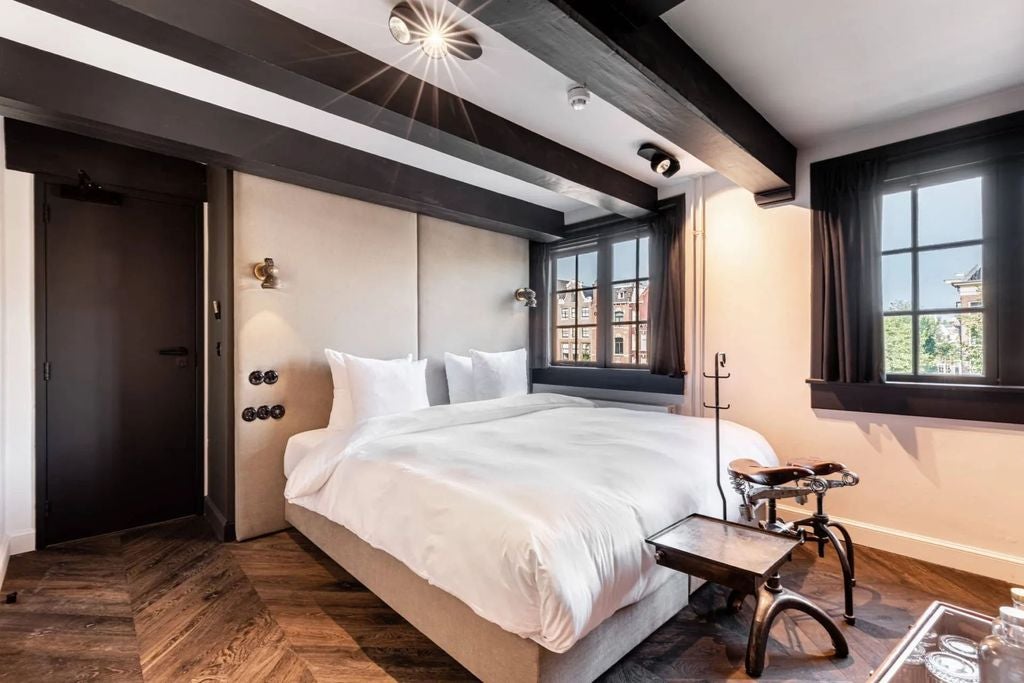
(980, 403)
(620, 379)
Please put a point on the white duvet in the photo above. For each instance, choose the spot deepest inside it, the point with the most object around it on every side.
(531, 510)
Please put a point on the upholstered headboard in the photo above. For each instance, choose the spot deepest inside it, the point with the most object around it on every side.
(360, 278)
(467, 278)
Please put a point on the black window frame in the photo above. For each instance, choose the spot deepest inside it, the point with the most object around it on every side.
(997, 146)
(602, 336)
(987, 242)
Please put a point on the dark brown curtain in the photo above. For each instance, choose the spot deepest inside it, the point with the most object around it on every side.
(846, 334)
(668, 292)
(540, 316)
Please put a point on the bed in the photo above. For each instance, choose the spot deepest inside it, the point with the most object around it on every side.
(510, 531)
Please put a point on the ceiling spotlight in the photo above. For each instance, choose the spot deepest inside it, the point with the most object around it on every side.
(661, 161)
(436, 37)
(435, 44)
(401, 23)
(579, 97)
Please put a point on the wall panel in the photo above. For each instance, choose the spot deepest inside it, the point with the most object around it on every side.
(467, 278)
(348, 273)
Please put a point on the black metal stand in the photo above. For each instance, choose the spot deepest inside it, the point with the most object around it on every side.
(772, 600)
(718, 408)
(821, 529)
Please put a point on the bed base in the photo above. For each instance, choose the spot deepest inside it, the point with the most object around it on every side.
(487, 651)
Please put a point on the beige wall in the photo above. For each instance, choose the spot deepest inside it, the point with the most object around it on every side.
(943, 490)
(348, 273)
(466, 281)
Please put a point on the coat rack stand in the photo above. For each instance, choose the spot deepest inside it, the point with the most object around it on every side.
(718, 408)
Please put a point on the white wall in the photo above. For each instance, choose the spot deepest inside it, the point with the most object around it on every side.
(942, 490)
(17, 388)
(4, 541)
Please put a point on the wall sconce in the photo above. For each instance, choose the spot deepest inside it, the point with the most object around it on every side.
(527, 297)
(267, 273)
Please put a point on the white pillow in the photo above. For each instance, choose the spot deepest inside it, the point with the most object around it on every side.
(496, 375)
(385, 387)
(342, 412)
(459, 371)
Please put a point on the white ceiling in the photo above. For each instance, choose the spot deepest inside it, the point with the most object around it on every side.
(506, 80)
(815, 68)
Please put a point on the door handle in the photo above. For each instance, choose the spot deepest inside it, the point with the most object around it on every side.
(174, 351)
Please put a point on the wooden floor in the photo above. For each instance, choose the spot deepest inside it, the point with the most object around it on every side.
(168, 603)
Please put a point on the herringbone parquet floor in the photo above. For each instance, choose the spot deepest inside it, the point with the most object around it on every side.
(169, 603)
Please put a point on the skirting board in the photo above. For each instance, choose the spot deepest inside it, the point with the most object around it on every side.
(5, 555)
(1009, 568)
(15, 544)
(22, 542)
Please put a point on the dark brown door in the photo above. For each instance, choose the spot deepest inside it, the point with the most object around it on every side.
(121, 413)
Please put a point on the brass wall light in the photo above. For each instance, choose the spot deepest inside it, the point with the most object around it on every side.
(267, 273)
(527, 297)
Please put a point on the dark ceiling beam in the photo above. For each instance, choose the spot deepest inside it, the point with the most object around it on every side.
(648, 72)
(643, 11)
(40, 87)
(245, 41)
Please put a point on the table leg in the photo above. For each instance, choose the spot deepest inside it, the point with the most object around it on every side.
(772, 599)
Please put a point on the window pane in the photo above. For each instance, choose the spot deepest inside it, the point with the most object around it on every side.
(588, 269)
(952, 344)
(586, 344)
(624, 260)
(645, 257)
(950, 212)
(949, 278)
(624, 344)
(624, 302)
(565, 304)
(587, 306)
(564, 352)
(642, 300)
(897, 282)
(565, 268)
(896, 221)
(899, 345)
(644, 357)
(566, 333)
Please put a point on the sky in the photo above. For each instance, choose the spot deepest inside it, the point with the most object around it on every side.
(950, 212)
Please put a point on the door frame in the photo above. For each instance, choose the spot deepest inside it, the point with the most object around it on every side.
(42, 181)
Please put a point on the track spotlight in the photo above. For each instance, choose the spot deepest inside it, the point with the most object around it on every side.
(661, 161)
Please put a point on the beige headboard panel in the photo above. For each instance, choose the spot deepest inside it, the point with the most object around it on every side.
(467, 278)
(348, 273)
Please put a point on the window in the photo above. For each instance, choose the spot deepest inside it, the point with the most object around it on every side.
(951, 314)
(575, 288)
(606, 281)
(631, 287)
(933, 296)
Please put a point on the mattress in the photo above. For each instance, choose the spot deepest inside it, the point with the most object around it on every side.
(531, 510)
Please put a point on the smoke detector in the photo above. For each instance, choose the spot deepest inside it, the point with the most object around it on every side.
(579, 97)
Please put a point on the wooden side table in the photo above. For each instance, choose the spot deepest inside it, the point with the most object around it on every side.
(746, 560)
